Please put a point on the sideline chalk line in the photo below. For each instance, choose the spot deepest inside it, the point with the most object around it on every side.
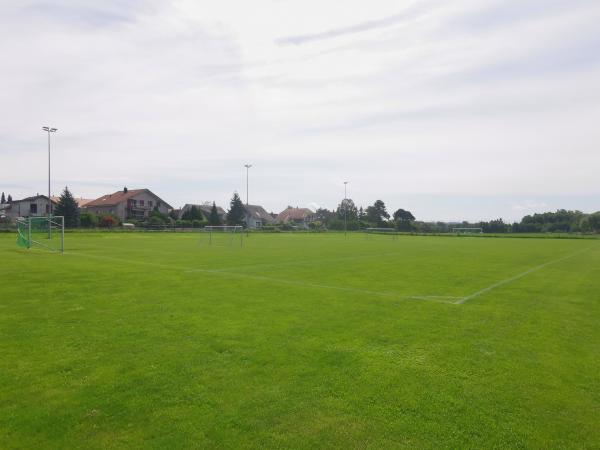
(433, 298)
(516, 277)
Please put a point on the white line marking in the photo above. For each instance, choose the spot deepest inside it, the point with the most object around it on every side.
(434, 298)
(516, 277)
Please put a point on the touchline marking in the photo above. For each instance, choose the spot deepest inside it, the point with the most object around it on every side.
(440, 299)
(516, 277)
(432, 298)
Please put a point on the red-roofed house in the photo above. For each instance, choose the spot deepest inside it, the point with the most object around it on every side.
(128, 204)
(296, 216)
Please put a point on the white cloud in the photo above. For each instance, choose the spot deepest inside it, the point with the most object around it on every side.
(435, 97)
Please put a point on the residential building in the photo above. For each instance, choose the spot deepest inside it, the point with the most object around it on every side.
(300, 217)
(128, 204)
(256, 216)
(35, 206)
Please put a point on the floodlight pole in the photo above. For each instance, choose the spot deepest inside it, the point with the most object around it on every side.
(247, 166)
(49, 130)
(345, 210)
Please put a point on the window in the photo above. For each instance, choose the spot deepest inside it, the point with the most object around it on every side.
(149, 203)
(141, 202)
(33, 208)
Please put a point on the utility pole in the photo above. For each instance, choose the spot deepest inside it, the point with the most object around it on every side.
(247, 166)
(345, 210)
(49, 130)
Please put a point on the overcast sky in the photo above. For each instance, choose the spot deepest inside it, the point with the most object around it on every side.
(459, 109)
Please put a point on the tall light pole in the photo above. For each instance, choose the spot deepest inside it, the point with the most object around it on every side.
(247, 166)
(345, 209)
(49, 130)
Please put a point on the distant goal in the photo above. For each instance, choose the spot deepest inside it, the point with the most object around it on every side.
(467, 230)
(384, 231)
(224, 233)
(43, 232)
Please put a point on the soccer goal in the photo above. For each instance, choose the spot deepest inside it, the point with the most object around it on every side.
(230, 232)
(389, 231)
(467, 230)
(44, 232)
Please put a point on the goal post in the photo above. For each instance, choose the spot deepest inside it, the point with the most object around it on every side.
(232, 230)
(44, 232)
(467, 230)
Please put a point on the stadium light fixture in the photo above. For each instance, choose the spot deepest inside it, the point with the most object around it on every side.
(247, 166)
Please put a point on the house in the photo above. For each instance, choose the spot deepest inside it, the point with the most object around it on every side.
(205, 208)
(256, 216)
(35, 206)
(128, 204)
(300, 217)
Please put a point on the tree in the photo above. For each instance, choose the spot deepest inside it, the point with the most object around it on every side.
(213, 218)
(2, 199)
(236, 213)
(193, 213)
(403, 215)
(594, 222)
(377, 214)
(68, 208)
(88, 220)
(9, 199)
(347, 210)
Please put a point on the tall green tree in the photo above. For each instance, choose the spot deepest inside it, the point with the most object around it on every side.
(9, 199)
(377, 213)
(2, 199)
(347, 209)
(213, 217)
(403, 215)
(193, 213)
(68, 208)
(235, 215)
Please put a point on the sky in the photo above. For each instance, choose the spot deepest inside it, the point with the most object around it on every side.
(453, 109)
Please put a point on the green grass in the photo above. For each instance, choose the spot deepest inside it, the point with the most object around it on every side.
(299, 341)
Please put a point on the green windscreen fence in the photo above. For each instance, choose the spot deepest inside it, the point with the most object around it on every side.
(42, 232)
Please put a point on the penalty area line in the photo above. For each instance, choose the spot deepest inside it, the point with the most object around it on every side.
(518, 276)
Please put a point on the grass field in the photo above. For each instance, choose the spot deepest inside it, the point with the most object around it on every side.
(300, 341)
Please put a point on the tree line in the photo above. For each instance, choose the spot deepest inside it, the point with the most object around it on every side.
(346, 216)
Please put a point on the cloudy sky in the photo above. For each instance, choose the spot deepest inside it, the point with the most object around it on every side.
(454, 109)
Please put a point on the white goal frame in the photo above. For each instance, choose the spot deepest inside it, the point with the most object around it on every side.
(383, 231)
(467, 230)
(233, 229)
(54, 224)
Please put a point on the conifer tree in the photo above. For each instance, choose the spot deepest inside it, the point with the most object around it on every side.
(9, 199)
(2, 199)
(68, 208)
(213, 218)
(235, 215)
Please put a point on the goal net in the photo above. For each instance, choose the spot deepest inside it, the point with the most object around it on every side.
(44, 232)
(389, 231)
(223, 233)
(467, 230)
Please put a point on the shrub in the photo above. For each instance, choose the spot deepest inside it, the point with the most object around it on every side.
(88, 220)
(108, 221)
